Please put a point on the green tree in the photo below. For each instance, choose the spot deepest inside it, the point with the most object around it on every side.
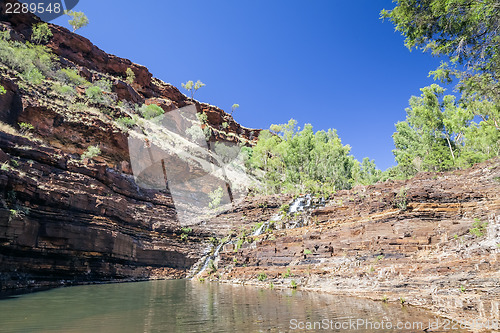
(298, 161)
(192, 87)
(440, 134)
(234, 107)
(78, 19)
(465, 31)
(366, 172)
(41, 33)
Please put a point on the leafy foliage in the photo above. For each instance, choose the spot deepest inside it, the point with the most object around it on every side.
(94, 94)
(41, 33)
(130, 76)
(215, 198)
(440, 133)
(261, 276)
(127, 122)
(71, 77)
(298, 161)
(25, 128)
(99, 91)
(478, 229)
(150, 111)
(78, 19)
(92, 151)
(234, 107)
(2, 90)
(195, 133)
(366, 172)
(193, 87)
(64, 90)
(33, 62)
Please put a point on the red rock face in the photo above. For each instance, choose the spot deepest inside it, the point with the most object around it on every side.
(373, 241)
(64, 220)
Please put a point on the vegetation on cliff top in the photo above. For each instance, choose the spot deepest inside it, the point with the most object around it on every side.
(441, 132)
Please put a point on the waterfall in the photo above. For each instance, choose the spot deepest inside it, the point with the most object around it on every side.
(300, 204)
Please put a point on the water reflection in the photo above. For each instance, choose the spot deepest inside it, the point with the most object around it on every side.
(187, 306)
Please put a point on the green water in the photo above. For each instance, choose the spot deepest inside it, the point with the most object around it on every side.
(191, 306)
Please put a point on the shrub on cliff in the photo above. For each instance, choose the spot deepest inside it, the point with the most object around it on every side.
(150, 111)
(33, 62)
(126, 122)
(63, 89)
(41, 33)
(130, 76)
(99, 92)
(70, 76)
(92, 151)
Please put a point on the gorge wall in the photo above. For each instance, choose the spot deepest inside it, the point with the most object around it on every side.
(432, 241)
(64, 219)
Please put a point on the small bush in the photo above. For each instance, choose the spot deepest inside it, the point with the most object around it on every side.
(478, 229)
(207, 132)
(150, 111)
(64, 90)
(293, 284)
(41, 33)
(70, 76)
(195, 133)
(187, 230)
(130, 76)
(212, 267)
(307, 251)
(25, 127)
(33, 75)
(284, 209)
(126, 122)
(2, 90)
(261, 276)
(94, 94)
(202, 117)
(192, 87)
(92, 151)
(225, 125)
(214, 241)
(104, 84)
(400, 201)
(215, 197)
(287, 274)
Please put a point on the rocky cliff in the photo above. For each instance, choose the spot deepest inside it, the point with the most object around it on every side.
(432, 241)
(66, 219)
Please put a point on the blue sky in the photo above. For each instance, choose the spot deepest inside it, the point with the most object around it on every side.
(331, 63)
